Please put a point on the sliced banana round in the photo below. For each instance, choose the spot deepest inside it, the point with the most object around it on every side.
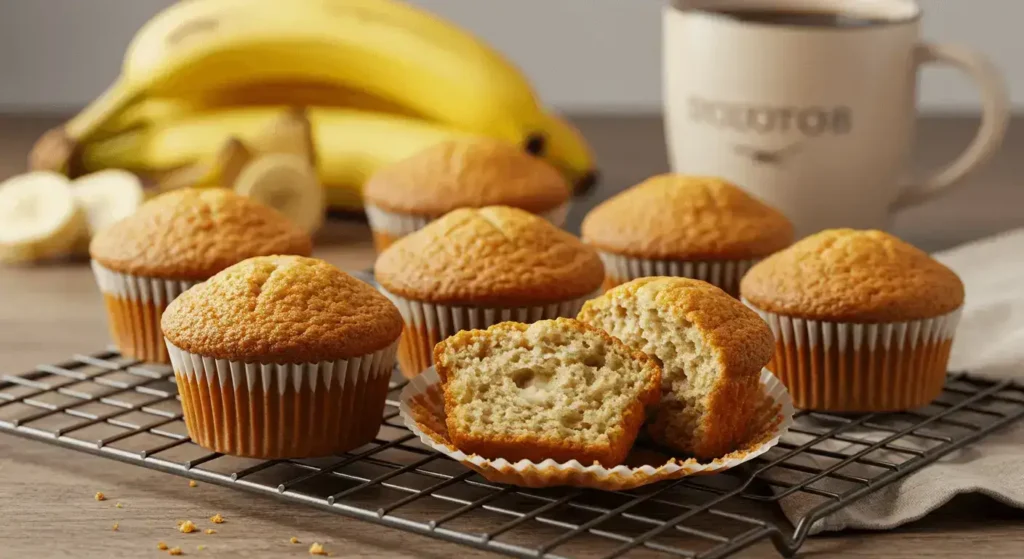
(108, 197)
(39, 217)
(287, 183)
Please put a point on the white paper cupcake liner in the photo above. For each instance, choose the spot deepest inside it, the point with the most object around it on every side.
(422, 409)
(271, 410)
(426, 324)
(837, 366)
(134, 307)
(138, 288)
(400, 225)
(725, 274)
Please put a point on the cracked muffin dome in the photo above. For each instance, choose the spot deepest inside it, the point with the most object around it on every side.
(282, 309)
(682, 217)
(711, 349)
(467, 174)
(497, 256)
(847, 275)
(193, 233)
(555, 389)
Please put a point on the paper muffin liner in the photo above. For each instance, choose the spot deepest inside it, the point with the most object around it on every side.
(422, 409)
(134, 307)
(725, 274)
(426, 324)
(269, 410)
(388, 227)
(847, 367)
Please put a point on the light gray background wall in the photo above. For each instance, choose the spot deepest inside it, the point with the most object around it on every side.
(583, 55)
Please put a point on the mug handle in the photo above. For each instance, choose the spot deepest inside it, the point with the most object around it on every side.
(995, 115)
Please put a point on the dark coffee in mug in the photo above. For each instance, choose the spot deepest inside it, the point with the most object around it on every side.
(800, 18)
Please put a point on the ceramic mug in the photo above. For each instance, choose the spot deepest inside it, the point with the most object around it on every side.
(813, 111)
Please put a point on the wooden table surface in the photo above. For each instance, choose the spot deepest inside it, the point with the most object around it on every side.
(47, 313)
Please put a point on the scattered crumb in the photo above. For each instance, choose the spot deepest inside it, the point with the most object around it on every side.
(317, 549)
(116, 526)
(100, 496)
(294, 540)
(217, 519)
(161, 546)
(210, 531)
(192, 483)
(202, 547)
(119, 506)
(175, 551)
(187, 527)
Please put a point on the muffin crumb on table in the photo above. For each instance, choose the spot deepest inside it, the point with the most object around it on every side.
(161, 546)
(210, 531)
(294, 540)
(192, 483)
(100, 496)
(175, 551)
(119, 506)
(317, 549)
(115, 527)
(187, 527)
(217, 519)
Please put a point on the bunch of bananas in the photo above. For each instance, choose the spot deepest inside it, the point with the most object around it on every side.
(377, 80)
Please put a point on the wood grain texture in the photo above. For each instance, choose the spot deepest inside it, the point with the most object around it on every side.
(47, 507)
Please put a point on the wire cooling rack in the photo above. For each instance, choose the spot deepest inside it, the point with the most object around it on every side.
(108, 405)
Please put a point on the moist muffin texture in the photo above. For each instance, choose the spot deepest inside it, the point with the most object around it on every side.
(192, 233)
(556, 389)
(711, 349)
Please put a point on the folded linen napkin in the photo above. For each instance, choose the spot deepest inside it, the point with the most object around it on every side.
(989, 343)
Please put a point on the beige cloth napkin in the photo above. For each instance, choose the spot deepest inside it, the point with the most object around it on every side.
(989, 342)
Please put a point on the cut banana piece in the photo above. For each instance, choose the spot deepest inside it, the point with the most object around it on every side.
(108, 197)
(287, 183)
(39, 217)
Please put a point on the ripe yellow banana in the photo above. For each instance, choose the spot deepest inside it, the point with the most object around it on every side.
(568, 150)
(349, 144)
(193, 48)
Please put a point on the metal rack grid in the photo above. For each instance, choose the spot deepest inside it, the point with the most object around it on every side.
(108, 405)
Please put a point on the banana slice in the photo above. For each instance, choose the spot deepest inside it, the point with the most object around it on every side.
(39, 217)
(287, 183)
(108, 197)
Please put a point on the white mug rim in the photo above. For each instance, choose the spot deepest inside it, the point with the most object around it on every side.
(885, 12)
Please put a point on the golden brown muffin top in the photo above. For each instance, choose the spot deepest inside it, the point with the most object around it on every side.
(494, 256)
(845, 275)
(742, 340)
(467, 174)
(282, 309)
(680, 217)
(192, 233)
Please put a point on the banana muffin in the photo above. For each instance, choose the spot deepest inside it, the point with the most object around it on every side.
(711, 349)
(555, 389)
(473, 268)
(863, 321)
(686, 226)
(282, 357)
(171, 243)
(404, 197)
